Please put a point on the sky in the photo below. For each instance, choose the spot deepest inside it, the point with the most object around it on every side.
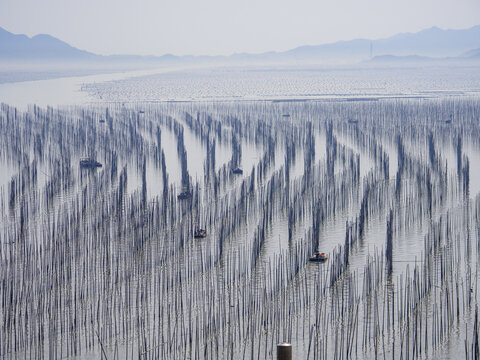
(224, 27)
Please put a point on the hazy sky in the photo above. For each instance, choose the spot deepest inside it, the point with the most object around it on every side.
(224, 26)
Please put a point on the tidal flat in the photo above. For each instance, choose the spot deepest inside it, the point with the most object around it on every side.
(108, 261)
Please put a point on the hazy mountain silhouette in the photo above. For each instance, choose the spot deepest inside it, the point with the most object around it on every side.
(39, 47)
(408, 58)
(473, 54)
(433, 42)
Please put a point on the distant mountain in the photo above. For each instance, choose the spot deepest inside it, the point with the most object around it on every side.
(46, 48)
(433, 42)
(415, 61)
(39, 47)
(396, 59)
(473, 54)
(468, 58)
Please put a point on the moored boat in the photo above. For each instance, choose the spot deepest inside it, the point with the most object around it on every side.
(319, 257)
(184, 195)
(89, 163)
(200, 233)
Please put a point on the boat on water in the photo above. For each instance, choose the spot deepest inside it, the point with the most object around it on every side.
(237, 171)
(89, 163)
(184, 195)
(318, 257)
(200, 233)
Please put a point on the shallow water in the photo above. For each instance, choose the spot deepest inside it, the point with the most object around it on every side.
(246, 84)
(133, 273)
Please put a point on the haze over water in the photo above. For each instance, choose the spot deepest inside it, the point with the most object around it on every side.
(187, 207)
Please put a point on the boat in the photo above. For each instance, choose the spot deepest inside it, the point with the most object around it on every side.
(237, 171)
(89, 163)
(200, 233)
(319, 257)
(184, 195)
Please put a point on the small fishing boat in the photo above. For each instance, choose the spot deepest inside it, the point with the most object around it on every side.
(200, 233)
(185, 195)
(319, 257)
(89, 163)
(237, 171)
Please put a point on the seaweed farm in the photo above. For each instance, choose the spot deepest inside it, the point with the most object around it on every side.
(184, 230)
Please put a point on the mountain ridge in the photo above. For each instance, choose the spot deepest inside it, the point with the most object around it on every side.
(432, 42)
(41, 47)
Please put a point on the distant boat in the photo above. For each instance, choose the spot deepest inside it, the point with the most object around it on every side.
(141, 112)
(353, 121)
(286, 115)
(237, 171)
(319, 257)
(89, 163)
(184, 195)
(102, 121)
(200, 233)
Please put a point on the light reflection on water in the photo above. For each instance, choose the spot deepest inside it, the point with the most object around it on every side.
(408, 245)
(210, 84)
